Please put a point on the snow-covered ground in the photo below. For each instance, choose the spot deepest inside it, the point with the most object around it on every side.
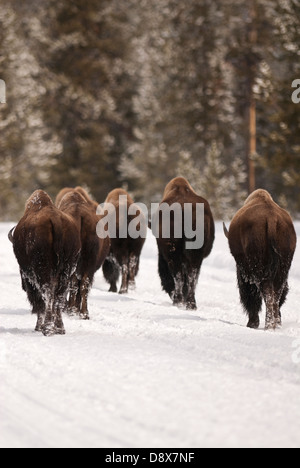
(142, 373)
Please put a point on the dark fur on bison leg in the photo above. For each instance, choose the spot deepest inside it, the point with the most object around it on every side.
(85, 287)
(39, 309)
(40, 322)
(111, 271)
(284, 295)
(254, 322)
(251, 300)
(34, 296)
(178, 298)
(192, 305)
(167, 280)
(191, 284)
(272, 300)
(74, 299)
(60, 307)
(113, 288)
(48, 328)
(125, 278)
(133, 271)
(282, 302)
(271, 320)
(59, 325)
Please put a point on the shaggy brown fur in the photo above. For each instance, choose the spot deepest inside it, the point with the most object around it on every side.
(262, 240)
(79, 190)
(93, 250)
(179, 268)
(124, 253)
(47, 245)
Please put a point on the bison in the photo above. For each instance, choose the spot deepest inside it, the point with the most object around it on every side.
(125, 250)
(179, 265)
(77, 204)
(262, 240)
(46, 244)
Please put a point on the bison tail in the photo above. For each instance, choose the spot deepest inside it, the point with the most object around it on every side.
(11, 235)
(272, 235)
(226, 232)
(57, 246)
(279, 256)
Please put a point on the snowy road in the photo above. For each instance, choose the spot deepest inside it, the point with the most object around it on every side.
(142, 373)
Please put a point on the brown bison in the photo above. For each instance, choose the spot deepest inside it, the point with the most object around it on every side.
(46, 243)
(125, 250)
(180, 263)
(262, 240)
(77, 204)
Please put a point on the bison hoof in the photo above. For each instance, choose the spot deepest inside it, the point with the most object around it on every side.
(253, 325)
(179, 305)
(49, 329)
(73, 312)
(84, 316)
(123, 291)
(191, 306)
(60, 331)
(271, 326)
(113, 289)
(279, 322)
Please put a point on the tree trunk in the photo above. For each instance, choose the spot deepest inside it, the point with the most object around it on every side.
(252, 146)
(252, 134)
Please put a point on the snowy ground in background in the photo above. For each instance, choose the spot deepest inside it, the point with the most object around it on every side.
(142, 373)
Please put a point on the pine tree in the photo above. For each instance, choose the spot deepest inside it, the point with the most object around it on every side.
(24, 143)
(281, 143)
(89, 99)
(139, 91)
(183, 100)
(263, 49)
(223, 186)
(145, 167)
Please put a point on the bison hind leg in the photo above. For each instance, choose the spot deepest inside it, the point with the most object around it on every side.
(134, 262)
(178, 296)
(281, 303)
(111, 271)
(274, 299)
(125, 276)
(49, 295)
(35, 298)
(74, 296)
(190, 289)
(251, 300)
(167, 280)
(58, 322)
(39, 323)
(85, 287)
(284, 295)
